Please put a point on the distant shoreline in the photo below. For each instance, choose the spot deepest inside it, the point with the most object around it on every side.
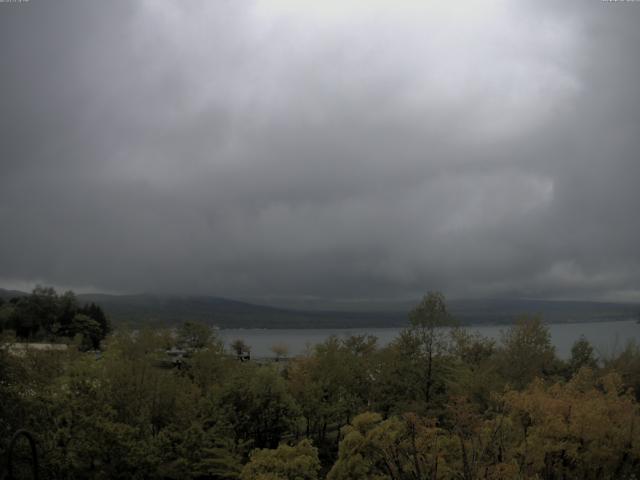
(463, 325)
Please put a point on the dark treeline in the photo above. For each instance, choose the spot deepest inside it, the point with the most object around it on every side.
(434, 404)
(46, 316)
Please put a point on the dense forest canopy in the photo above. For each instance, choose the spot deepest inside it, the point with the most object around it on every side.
(434, 404)
(45, 315)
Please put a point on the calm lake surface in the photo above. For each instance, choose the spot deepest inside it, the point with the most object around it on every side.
(606, 337)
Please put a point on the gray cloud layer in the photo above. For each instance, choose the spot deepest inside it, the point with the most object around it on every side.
(335, 149)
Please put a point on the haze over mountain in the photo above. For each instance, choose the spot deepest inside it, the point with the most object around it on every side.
(331, 150)
(163, 310)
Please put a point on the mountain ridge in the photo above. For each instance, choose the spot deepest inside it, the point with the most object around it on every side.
(167, 310)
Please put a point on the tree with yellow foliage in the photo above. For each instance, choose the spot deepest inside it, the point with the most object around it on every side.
(298, 462)
(585, 429)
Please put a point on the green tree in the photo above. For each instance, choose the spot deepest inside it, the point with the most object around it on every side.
(198, 452)
(475, 375)
(428, 321)
(7, 312)
(397, 448)
(297, 462)
(88, 330)
(257, 405)
(67, 308)
(582, 355)
(210, 367)
(332, 385)
(95, 311)
(527, 352)
(195, 336)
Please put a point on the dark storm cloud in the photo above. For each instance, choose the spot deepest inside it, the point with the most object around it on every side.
(331, 149)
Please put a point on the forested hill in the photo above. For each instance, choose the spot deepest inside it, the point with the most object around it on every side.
(226, 313)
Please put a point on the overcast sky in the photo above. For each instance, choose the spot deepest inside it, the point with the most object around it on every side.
(336, 149)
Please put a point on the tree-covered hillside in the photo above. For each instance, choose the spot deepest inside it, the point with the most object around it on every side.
(433, 404)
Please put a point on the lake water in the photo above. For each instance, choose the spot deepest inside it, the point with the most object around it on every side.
(606, 337)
